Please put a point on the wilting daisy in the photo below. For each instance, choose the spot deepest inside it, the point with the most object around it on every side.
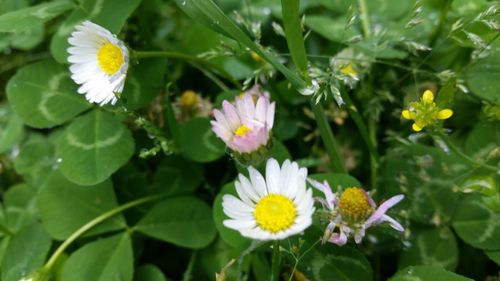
(352, 212)
(99, 62)
(191, 104)
(246, 125)
(425, 112)
(270, 208)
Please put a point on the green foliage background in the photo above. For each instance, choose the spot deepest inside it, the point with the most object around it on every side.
(65, 162)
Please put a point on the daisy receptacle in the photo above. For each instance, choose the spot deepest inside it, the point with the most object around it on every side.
(99, 63)
(271, 207)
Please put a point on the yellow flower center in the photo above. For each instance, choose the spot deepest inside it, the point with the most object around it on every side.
(275, 213)
(349, 70)
(241, 131)
(188, 98)
(110, 58)
(354, 204)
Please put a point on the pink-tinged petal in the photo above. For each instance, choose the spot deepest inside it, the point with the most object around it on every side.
(250, 142)
(382, 209)
(231, 115)
(270, 115)
(221, 119)
(338, 238)
(221, 131)
(394, 224)
(325, 188)
(358, 236)
(249, 106)
(261, 110)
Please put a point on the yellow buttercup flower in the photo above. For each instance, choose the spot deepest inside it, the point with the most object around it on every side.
(425, 112)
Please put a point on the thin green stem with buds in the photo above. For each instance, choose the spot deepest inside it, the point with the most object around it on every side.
(91, 224)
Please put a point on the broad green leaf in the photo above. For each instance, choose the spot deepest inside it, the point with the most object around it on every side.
(230, 236)
(20, 209)
(482, 76)
(149, 272)
(477, 225)
(27, 18)
(108, 259)
(483, 140)
(11, 128)
(333, 29)
(93, 147)
(389, 9)
(436, 247)
(26, 40)
(425, 175)
(175, 175)
(214, 258)
(144, 82)
(23, 40)
(183, 221)
(65, 206)
(35, 159)
(44, 95)
(426, 273)
(26, 253)
(110, 14)
(494, 256)
(331, 262)
(198, 142)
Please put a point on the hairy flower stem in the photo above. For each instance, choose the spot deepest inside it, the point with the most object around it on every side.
(331, 145)
(464, 156)
(91, 224)
(276, 262)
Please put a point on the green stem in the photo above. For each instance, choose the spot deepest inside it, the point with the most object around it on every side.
(331, 145)
(169, 115)
(6, 231)
(188, 274)
(464, 156)
(164, 54)
(276, 262)
(293, 32)
(442, 19)
(372, 131)
(94, 223)
(366, 18)
(358, 120)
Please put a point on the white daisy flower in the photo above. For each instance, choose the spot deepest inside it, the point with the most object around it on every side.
(99, 62)
(273, 208)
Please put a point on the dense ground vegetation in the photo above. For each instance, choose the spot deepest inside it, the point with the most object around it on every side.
(397, 98)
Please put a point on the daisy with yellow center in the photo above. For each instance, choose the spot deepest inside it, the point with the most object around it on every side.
(351, 212)
(99, 63)
(270, 208)
(245, 126)
(425, 112)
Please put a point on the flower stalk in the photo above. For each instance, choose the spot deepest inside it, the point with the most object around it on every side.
(91, 224)
(276, 262)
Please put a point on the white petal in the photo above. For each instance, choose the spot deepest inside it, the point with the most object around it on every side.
(272, 176)
(258, 182)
